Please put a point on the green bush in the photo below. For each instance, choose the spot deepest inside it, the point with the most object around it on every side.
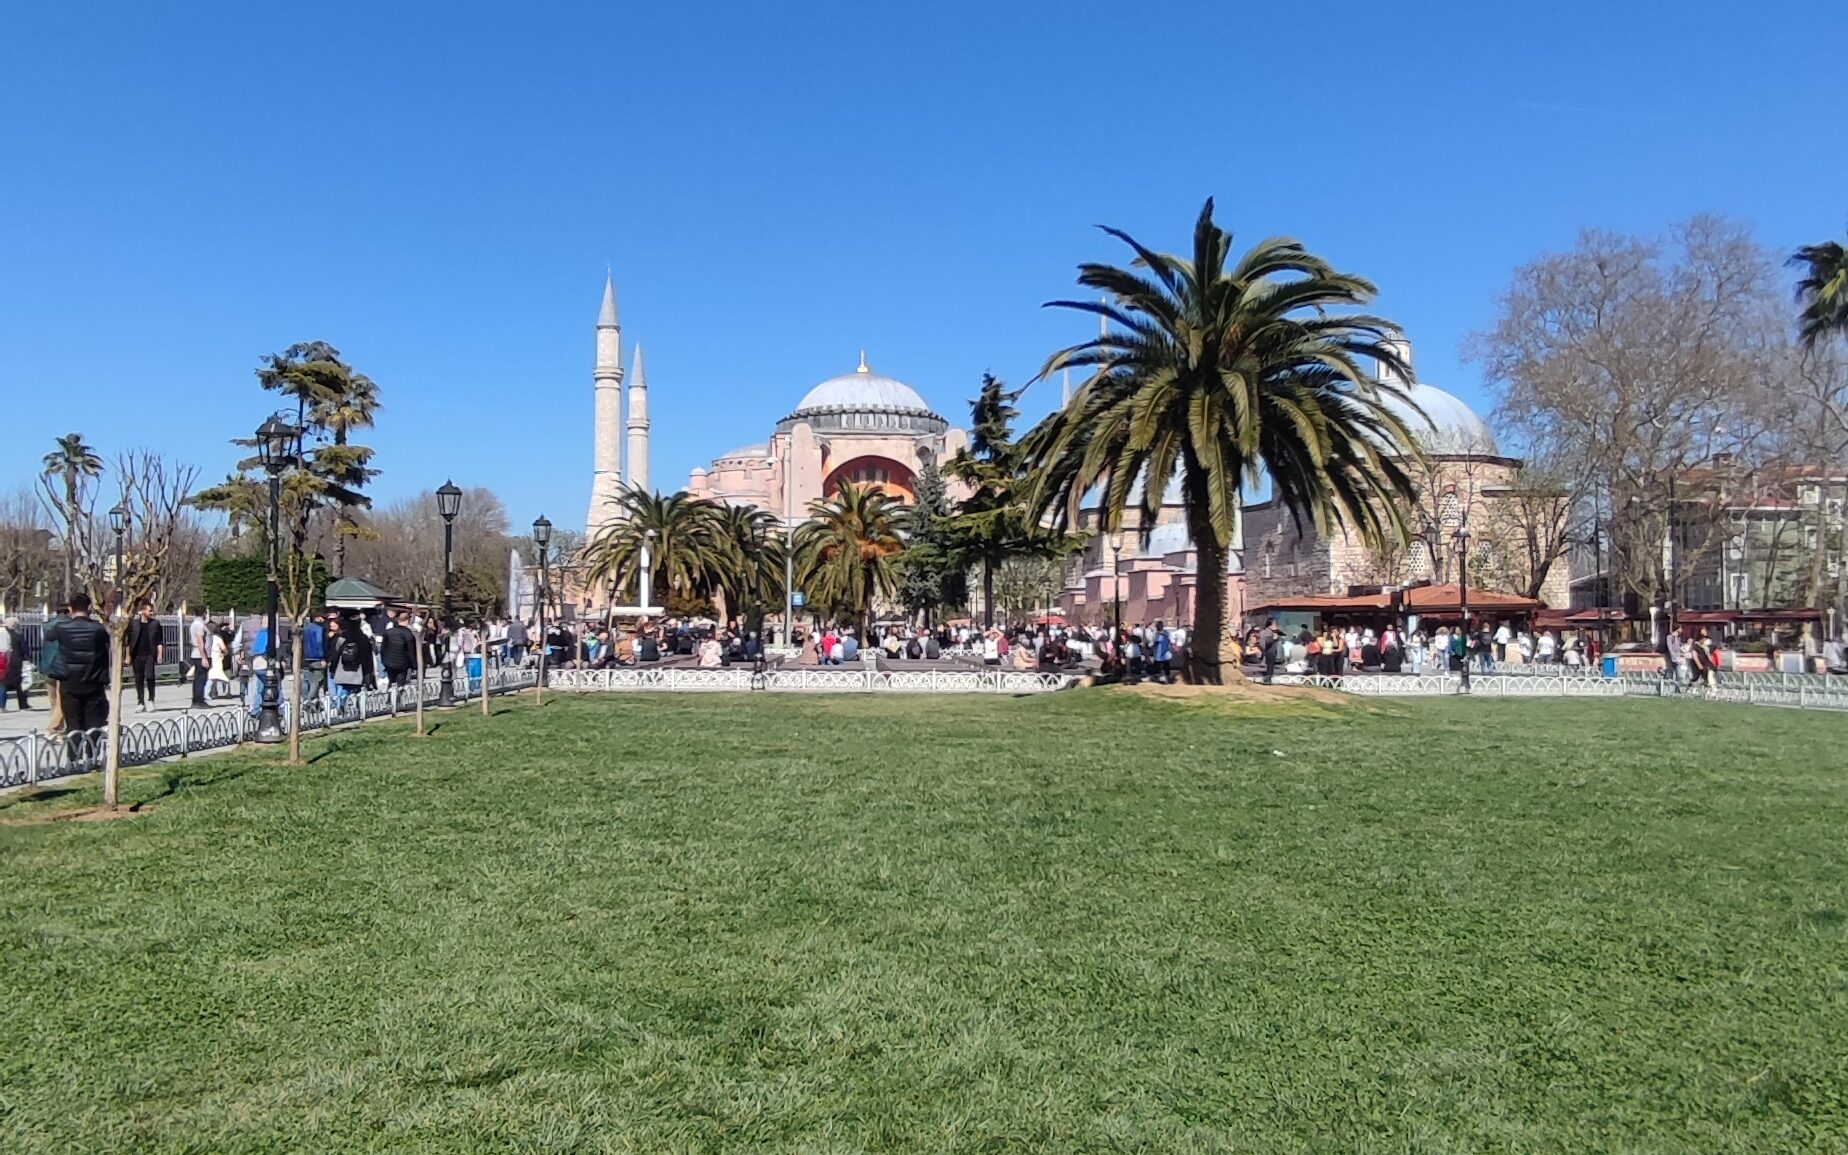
(241, 581)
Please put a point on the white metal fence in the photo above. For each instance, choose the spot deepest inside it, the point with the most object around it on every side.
(808, 679)
(1803, 691)
(27, 759)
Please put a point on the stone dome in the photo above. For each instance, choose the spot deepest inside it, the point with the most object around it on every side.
(862, 389)
(1441, 421)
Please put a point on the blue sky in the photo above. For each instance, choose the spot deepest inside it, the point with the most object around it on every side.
(437, 189)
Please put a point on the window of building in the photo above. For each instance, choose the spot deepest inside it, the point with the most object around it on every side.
(1418, 560)
(870, 475)
(1449, 510)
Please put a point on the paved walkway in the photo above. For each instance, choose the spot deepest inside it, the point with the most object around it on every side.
(14, 721)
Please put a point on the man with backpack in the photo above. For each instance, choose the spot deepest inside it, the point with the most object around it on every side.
(79, 665)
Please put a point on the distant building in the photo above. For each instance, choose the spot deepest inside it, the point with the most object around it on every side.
(860, 427)
(1465, 481)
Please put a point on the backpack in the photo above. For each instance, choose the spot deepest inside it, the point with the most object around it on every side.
(349, 657)
(51, 655)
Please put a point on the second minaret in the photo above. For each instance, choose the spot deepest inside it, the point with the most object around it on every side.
(638, 426)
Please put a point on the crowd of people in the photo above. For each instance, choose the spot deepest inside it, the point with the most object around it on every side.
(1333, 650)
(346, 651)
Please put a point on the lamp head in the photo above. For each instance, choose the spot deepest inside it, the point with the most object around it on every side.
(118, 519)
(542, 532)
(276, 444)
(449, 500)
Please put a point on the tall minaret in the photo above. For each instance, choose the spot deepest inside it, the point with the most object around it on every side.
(606, 483)
(638, 426)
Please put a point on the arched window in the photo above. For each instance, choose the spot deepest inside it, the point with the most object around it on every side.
(1418, 561)
(1449, 510)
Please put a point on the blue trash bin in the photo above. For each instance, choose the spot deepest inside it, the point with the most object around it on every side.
(473, 665)
(1609, 664)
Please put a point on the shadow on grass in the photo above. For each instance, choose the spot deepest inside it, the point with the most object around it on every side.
(23, 801)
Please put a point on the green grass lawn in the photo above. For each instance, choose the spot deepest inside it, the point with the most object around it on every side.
(1089, 922)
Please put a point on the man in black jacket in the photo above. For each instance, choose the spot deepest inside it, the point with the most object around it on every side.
(83, 667)
(146, 648)
(398, 652)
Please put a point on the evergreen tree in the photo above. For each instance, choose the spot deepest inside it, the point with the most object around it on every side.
(992, 524)
(930, 571)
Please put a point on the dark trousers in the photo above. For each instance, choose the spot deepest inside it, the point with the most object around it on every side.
(398, 677)
(144, 678)
(199, 670)
(85, 707)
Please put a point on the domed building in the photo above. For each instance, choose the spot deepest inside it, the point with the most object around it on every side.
(861, 427)
(1465, 491)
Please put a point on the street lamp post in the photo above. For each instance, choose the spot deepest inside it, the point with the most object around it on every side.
(759, 530)
(118, 522)
(448, 503)
(789, 559)
(1116, 587)
(1469, 635)
(542, 537)
(647, 576)
(275, 446)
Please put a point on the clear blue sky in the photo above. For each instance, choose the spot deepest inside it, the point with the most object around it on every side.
(436, 190)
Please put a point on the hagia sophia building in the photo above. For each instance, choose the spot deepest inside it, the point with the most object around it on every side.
(861, 427)
(871, 429)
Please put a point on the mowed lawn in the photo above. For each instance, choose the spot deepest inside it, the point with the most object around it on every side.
(1090, 922)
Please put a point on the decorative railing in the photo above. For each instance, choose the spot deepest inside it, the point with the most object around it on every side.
(831, 679)
(31, 758)
(1820, 695)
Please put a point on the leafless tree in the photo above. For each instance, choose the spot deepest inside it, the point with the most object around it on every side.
(30, 564)
(1627, 360)
(152, 492)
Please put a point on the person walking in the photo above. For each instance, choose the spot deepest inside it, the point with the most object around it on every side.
(1268, 642)
(82, 669)
(13, 655)
(314, 655)
(146, 650)
(199, 643)
(349, 659)
(398, 652)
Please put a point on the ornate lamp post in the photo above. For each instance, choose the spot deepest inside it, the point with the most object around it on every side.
(448, 503)
(275, 449)
(118, 523)
(647, 577)
(542, 537)
(758, 531)
(1116, 587)
(1469, 635)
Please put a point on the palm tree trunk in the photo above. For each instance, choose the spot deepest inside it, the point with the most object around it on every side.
(112, 755)
(295, 695)
(1204, 640)
(70, 531)
(988, 594)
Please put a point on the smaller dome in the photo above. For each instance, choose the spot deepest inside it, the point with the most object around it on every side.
(1446, 424)
(1169, 538)
(759, 450)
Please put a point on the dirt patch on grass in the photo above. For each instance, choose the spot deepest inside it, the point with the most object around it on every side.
(1242, 692)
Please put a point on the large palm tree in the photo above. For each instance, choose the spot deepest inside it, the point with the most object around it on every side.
(846, 550)
(1226, 372)
(73, 462)
(751, 541)
(680, 534)
(1823, 291)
